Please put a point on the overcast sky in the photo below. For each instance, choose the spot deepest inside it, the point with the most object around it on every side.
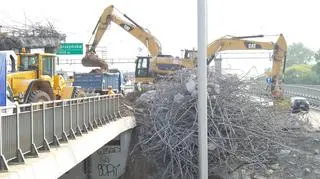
(173, 22)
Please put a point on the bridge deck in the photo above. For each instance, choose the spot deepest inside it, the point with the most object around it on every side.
(61, 159)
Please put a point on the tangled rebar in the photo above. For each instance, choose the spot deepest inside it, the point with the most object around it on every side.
(243, 129)
(33, 36)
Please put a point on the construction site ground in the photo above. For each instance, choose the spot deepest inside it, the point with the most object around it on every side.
(300, 160)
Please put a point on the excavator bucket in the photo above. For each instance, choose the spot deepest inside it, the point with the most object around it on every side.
(92, 60)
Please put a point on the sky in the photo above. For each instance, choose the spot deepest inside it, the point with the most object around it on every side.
(173, 22)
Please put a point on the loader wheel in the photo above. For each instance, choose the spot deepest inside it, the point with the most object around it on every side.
(38, 96)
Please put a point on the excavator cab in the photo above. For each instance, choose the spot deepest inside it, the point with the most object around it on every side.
(142, 71)
(189, 54)
(143, 75)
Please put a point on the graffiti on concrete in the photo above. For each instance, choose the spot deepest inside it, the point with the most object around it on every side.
(109, 149)
(108, 169)
(104, 159)
(106, 165)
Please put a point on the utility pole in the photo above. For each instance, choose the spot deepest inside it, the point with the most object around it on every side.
(202, 89)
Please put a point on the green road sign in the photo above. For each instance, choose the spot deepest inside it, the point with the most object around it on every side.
(70, 49)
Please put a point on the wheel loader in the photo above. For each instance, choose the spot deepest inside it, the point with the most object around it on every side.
(34, 79)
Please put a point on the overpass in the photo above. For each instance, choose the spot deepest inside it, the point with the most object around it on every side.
(45, 140)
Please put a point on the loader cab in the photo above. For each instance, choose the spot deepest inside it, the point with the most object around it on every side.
(43, 64)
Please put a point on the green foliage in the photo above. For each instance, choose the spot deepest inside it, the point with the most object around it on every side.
(299, 54)
(317, 56)
(298, 74)
(302, 74)
(298, 68)
(316, 68)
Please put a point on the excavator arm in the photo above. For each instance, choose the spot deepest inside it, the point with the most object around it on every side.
(238, 43)
(131, 27)
(128, 25)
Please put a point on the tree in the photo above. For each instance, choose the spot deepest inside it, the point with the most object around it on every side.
(317, 56)
(298, 74)
(299, 54)
(316, 68)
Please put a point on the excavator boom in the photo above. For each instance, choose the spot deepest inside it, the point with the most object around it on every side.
(108, 16)
(237, 43)
(165, 65)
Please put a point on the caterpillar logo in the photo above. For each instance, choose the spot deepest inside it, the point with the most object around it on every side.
(251, 45)
(126, 27)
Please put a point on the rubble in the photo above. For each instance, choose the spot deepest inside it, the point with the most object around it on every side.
(269, 172)
(275, 166)
(242, 133)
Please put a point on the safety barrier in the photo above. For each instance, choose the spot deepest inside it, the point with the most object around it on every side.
(312, 94)
(28, 128)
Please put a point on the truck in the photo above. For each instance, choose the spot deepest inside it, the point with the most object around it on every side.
(99, 82)
(6, 96)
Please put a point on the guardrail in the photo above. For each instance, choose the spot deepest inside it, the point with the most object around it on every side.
(312, 94)
(26, 129)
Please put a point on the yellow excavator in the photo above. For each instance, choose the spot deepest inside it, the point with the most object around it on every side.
(149, 68)
(108, 16)
(239, 43)
(145, 37)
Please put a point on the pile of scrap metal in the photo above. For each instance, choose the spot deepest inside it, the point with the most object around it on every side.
(243, 133)
(34, 36)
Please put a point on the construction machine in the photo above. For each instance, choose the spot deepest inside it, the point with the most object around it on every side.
(144, 36)
(238, 43)
(130, 26)
(148, 69)
(36, 80)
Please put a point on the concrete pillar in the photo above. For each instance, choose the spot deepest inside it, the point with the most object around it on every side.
(88, 167)
(125, 139)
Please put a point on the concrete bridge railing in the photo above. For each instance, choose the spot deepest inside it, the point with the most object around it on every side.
(26, 129)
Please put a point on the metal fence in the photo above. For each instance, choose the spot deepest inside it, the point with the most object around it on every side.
(26, 129)
(312, 94)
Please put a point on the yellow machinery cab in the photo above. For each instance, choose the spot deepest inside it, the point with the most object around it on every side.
(36, 80)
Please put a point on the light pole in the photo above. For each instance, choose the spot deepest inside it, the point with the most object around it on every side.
(202, 89)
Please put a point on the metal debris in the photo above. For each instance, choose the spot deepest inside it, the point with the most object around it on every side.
(33, 36)
(242, 131)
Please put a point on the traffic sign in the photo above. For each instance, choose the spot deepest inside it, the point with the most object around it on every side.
(70, 49)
